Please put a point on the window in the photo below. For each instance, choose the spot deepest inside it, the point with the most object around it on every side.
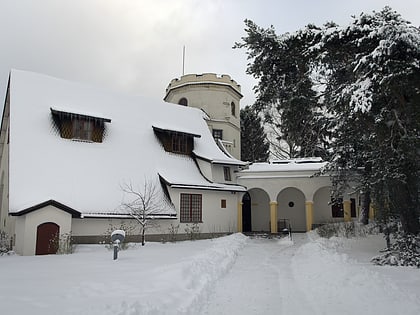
(183, 101)
(179, 143)
(223, 203)
(233, 109)
(175, 141)
(337, 208)
(82, 129)
(226, 171)
(79, 127)
(218, 134)
(190, 208)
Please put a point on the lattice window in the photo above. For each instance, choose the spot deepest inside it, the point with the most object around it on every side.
(79, 127)
(226, 171)
(191, 208)
(218, 134)
(179, 143)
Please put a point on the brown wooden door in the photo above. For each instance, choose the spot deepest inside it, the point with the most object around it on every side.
(47, 238)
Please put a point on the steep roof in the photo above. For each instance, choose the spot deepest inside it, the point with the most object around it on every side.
(88, 176)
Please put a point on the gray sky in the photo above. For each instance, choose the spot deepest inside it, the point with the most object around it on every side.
(135, 46)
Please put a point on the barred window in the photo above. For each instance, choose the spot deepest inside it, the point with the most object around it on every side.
(179, 143)
(226, 171)
(218, 134)
(190, 209)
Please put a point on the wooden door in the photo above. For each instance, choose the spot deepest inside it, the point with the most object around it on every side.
(47, 238)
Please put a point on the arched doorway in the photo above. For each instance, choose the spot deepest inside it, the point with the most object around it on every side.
(291, 205)
(47, 238)
(259, 210)
(246, 213)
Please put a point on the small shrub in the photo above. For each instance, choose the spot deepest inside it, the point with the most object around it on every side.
(129, 229)
(5, 243)
(173, 232)
(405, 251)
(193, 231)
(62, 244)
(346, 229)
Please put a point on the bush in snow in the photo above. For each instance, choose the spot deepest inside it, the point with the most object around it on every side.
(129, 230)
(192, 231)
(404, 251)
(346, 229)
(5, 244)
(63, 243)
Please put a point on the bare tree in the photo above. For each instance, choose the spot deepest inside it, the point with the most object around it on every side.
(145, 204)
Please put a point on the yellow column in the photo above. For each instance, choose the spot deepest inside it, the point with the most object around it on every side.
(309, 208)
(371, 212)
(273, 216)
(347, 210)
(239, 224)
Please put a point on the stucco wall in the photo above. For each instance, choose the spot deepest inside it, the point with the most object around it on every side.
(26, 227)
(213, 94)
(215, 219)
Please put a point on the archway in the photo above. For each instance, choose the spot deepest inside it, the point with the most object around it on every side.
(259, 210)
(291, 206)
(246, 213)
(47, 235)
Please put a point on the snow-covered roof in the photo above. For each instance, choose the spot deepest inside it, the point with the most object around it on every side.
(305, 165)
(88, 176)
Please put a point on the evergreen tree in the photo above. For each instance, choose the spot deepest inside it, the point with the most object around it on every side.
(254, 146)
(367, 78)
(285, 92)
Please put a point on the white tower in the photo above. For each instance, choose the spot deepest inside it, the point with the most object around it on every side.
(218, 96)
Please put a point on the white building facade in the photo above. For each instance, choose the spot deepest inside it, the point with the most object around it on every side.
(219, 97)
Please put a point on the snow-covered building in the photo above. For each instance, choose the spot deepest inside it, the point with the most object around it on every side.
(219, 97)
(289, 192)
(67, 150)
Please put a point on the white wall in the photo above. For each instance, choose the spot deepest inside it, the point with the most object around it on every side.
(26, 227)
(296, 213)
(214, 218)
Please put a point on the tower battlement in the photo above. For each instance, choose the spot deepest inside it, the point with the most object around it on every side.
(205, 78)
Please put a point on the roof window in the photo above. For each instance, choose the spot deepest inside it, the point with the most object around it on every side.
(80, 127)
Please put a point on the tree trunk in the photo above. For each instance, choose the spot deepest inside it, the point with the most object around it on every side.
(364, 213)
(143, 237)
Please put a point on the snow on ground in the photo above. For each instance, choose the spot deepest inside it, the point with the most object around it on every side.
(229, 275)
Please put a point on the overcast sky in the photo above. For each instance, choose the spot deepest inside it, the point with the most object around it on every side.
(135, 46)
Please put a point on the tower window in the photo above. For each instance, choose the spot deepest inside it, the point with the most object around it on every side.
(233, 109)
(183, 101)
(226, 172)
(218, 134)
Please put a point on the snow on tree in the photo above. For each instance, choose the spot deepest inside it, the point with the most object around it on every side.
(285, 94)
(254, 145)
(359, 87)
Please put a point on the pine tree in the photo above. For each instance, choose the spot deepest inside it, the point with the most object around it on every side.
(254, 146)
(285, 93)
(366, 109)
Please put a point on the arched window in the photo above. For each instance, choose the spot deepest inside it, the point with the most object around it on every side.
(183, 101)
(233, 109)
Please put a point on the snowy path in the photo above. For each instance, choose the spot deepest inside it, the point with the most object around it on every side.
(261, 281)
(311, 276)
(232, 275)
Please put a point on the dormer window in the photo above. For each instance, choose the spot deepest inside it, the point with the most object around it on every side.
(78, 126)
(176, 141)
